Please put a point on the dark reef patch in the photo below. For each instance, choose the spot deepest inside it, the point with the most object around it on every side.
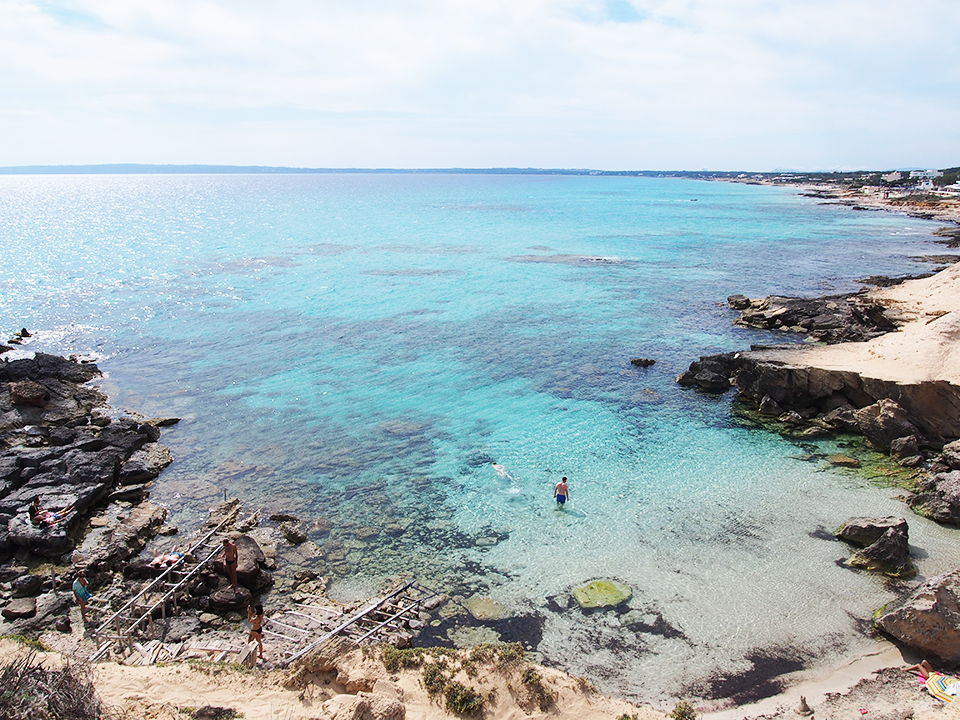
(760, 681)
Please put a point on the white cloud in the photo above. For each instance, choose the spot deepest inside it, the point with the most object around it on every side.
(591, 83)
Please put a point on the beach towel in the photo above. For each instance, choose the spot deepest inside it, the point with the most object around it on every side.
(942, 687)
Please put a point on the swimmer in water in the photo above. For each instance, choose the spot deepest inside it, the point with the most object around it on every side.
(499, 470)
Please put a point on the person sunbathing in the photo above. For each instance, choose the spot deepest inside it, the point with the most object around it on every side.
(943, 687)
(39, 517)
(165, 560)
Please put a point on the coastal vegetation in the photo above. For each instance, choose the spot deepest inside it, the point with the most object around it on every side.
(29, 690)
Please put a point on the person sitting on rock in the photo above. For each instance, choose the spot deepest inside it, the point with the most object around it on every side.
(46, 518)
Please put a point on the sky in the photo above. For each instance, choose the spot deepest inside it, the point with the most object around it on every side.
(758, 85)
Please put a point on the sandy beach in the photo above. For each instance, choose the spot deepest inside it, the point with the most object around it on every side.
(924, 347)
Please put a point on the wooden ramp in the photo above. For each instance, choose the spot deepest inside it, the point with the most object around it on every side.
(136, 615)
(300, 631)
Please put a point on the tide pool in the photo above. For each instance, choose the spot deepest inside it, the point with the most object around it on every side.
(361, 348)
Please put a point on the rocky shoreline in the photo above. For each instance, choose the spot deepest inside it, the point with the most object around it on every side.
(882, 369)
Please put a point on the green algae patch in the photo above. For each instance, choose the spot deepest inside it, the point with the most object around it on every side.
(601, 594)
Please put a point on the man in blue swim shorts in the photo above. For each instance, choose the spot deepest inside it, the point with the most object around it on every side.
(561, 492)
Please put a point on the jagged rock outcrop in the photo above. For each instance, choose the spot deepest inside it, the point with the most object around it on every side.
(832, 319)
(928, 621)
(883, 422)
(930, 410)
(67, 451)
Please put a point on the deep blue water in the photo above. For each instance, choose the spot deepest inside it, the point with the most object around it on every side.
(361, 348)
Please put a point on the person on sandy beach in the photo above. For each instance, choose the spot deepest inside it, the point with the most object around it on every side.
(46, 518)
(561, 492)
(230, 558)
(81, 593)
(255, 616)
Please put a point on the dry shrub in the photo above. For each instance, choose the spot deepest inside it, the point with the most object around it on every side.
(29, 691)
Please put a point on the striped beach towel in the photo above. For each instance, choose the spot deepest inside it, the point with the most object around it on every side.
(940, 686)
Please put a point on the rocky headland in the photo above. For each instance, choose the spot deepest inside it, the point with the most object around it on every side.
(884, 364)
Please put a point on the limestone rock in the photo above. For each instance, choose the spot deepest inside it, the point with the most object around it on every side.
(950, 455)
(106, 548)
(293, 531)
(883, 422)
(364, 706)
(486, 608)
(145, 464)
(843, 461)
(28, 392)
(939, 499)
(769, 406)
(250, 560)
(601, 594)
(229, 599)
(388, 689)
(326, 656)
(26, 586)
(355, 672)
(926, 621)
(864, 531)
(20, 608)
(904, 447)
(889, 555)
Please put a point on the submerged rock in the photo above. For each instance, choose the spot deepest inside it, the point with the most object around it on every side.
(601, 594)
(486, 608)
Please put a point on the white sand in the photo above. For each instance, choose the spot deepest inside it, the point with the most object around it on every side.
(924, 348)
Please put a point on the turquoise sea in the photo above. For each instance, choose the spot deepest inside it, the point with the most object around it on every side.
(360, 348)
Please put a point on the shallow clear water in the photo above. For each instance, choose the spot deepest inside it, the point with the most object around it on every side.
(361, 348)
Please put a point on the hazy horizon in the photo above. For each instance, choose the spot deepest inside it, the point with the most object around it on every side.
(608, 84)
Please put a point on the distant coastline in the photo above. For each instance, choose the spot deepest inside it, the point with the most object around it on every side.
(788, 178)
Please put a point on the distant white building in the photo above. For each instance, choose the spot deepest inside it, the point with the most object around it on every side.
(925, 174)
(891, 177)
(925, 184)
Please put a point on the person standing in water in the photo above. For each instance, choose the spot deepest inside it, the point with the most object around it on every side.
(561, 492)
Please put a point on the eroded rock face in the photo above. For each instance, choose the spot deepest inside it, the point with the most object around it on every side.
(364, 706)
(883, 422)
(28, 392)
(926, 621)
